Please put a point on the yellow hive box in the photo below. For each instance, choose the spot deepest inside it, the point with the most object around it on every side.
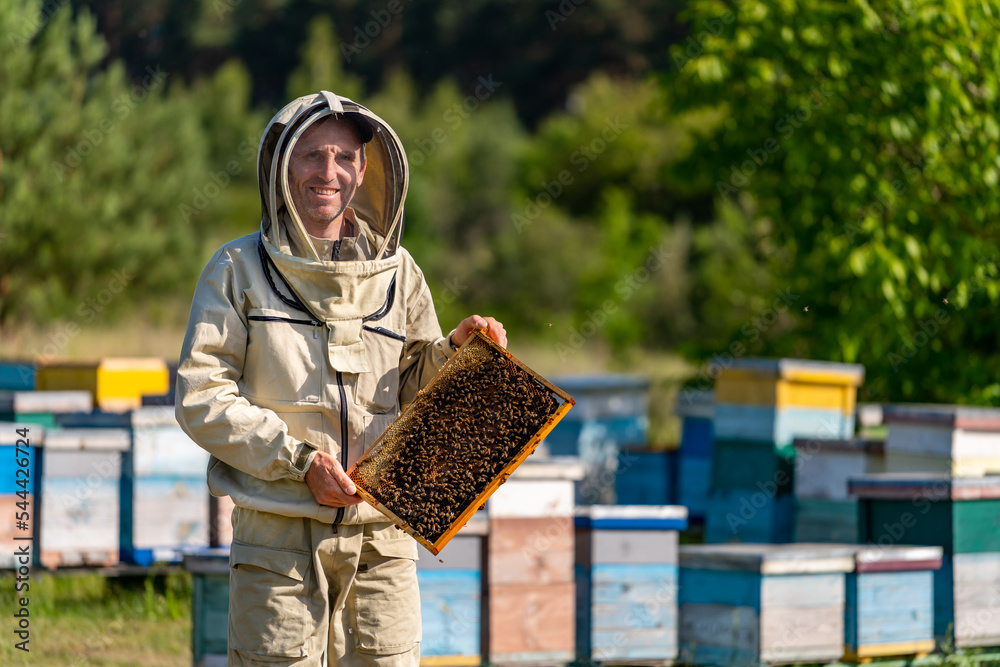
(785, 383)
(117, 383)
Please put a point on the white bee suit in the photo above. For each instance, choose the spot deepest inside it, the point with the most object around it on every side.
(289, 351)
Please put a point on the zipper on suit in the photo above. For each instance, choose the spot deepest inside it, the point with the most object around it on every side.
(343, 433)
(289, 320)
(384, 332)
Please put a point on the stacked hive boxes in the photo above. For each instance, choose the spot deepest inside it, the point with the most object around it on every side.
(530, 593)
(694, 474)
(42, 407)
(626, 583)
(164, 469)
(751, 604)
(959, 514)
(80, 499)
(116, 384)
(948, 439)
(18, 483)
(209, 607)
(824, 512)
(761, 406)
(890, 602)
(611, 412)
(167, 469)
(451, 599)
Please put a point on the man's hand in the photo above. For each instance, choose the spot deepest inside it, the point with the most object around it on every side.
(328, 482)
(490, 326)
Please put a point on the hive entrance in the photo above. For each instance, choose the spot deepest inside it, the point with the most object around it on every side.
(480, 417)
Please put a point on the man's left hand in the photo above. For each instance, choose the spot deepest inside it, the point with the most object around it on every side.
(488, 325)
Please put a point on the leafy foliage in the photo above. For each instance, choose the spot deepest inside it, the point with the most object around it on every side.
(796, 178)
(93, 170)
(865, 136)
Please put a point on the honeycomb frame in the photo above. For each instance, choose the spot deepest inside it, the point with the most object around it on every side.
(477, 354)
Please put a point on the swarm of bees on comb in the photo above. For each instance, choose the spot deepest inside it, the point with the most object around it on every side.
(457, 442)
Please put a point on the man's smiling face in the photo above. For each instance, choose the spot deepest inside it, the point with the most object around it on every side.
(324, 171)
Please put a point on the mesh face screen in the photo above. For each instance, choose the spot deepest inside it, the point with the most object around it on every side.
(481, 413)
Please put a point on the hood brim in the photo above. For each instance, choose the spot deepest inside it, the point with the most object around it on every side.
(378, 202)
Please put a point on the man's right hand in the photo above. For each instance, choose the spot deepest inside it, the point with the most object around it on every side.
(328, 482)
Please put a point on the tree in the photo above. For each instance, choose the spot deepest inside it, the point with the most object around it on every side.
(865, 135)
(320, 67)
(95, 173)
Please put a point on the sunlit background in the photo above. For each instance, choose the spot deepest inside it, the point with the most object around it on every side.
(657, 187)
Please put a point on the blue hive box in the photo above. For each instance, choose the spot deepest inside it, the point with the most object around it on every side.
(753, 604)
(646, 478)
(890, 602)
(611, 412)
(451, 598)
(626, 583)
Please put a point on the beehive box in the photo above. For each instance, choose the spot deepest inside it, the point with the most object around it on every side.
(42, 407)
(626, 583)
(834, 521)
(461, 438)
(694, 464)
(824, 512)
(761, 406)
(751, 498)
(452, 598)
(17, 375)
(530, 588)
(949, 439)
(646, 478)
(776, 400)
(166, 469)
(611, 413)
(18, 490)
(890, 602)
(80, 497)
(962, 516)
(790, 383)
(824, 467)
(967, 591)
(750, 515)
(751, 604)
(209, 607)
(116, 384)
(165, 499)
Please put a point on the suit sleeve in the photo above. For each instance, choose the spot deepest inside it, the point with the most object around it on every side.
(209, 406)
(426, 350)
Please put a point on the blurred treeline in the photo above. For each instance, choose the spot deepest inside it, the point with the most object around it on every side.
(716, 178)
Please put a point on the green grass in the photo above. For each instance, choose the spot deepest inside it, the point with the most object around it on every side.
(88, 620)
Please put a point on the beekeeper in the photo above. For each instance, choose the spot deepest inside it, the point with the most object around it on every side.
(304, 342)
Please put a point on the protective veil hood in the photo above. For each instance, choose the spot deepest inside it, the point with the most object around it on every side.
(340, 294)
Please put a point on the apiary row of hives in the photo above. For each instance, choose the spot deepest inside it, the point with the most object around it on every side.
(934, 578)
(916, 477)
(531, 579)
(102, 488)
(545, 583)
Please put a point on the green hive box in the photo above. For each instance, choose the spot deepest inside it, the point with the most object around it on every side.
(210, 607)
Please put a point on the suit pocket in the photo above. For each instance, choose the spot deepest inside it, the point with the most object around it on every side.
(385, 597)
(285, 359)
(378, 390)
(274, 607)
